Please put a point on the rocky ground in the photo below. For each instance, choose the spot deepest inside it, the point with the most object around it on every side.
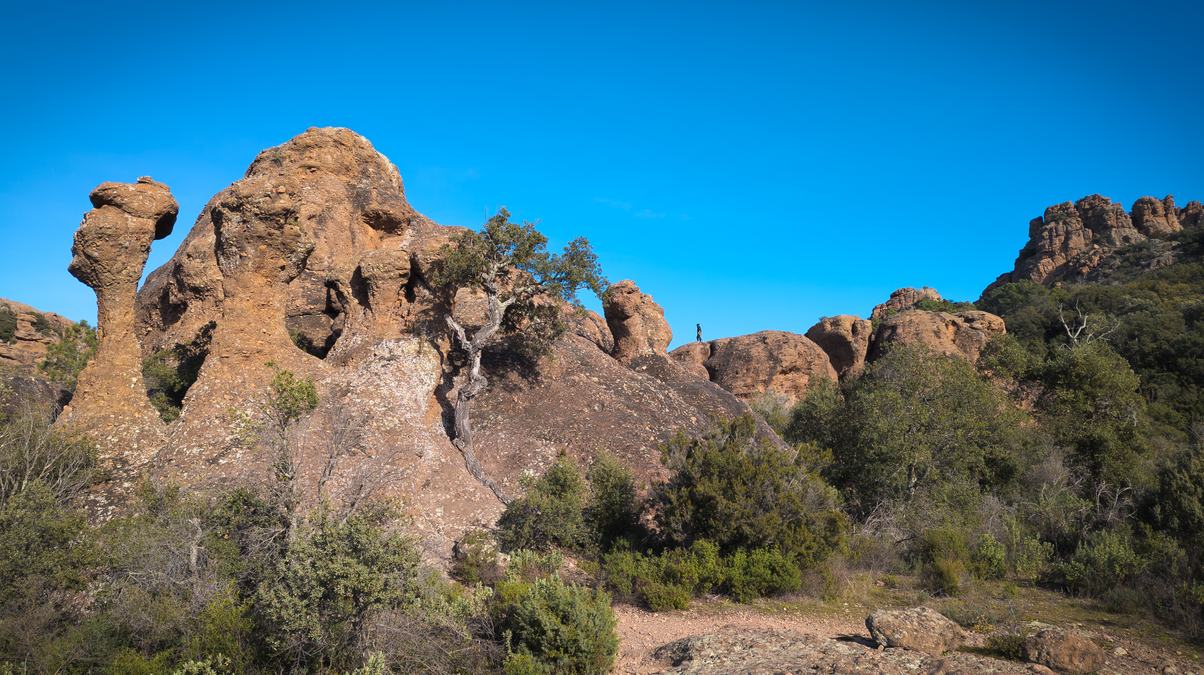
(802, 635)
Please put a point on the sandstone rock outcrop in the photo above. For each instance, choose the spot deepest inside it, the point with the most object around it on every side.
(1070, 240)
(316, 263)
(1063, 650)
(748, 366)
(846, 340)
(903, 299)
(963, 334)
(110, 250)
(919, 629)
(636, 322)
(26, 334)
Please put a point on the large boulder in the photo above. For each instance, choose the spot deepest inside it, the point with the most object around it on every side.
(846, 341)
(904, 299)
(1156, 217)
(963, 334)
(636, 322)
(1063, 650)
(919, 629)
(768, 362)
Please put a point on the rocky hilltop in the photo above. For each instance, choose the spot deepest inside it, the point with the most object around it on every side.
(316, 263)
(1072, 240)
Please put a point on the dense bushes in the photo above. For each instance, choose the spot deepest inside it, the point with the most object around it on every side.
(553, 627)
(68, 355)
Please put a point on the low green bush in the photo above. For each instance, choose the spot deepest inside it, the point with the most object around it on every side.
(941, 555)
(8, 324)
(551, 513)
(552, 626)
(759, 573)
(1103, 561)
(989, 558)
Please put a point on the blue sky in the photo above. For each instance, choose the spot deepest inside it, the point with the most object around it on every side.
(751, 165)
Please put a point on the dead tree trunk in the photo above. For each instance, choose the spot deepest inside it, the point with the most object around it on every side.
(474, 383)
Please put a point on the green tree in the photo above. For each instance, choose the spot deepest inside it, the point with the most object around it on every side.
(742, 490)
(613, 513)
(917, 420)
(524, 286)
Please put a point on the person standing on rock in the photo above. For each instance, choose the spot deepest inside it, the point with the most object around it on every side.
(698, 332)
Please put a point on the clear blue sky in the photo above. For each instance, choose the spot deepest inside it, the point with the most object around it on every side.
(752, 165)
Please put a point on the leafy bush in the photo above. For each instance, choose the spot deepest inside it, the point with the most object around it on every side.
(941, 555)
(555, 627)
(551, 513)
(989, 558)
(740, 490)
(475, 559)
(759, 573)
(32, 452)
(8, 324)
(613, 513)
(66, 357)
(1103, 561)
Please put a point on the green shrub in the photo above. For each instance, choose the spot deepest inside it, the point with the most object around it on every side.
(989, 558)
(1103, 561)
(42, 325)
(8, 324)
(774, 409)
(66, 357)
(1005, 356)
(941, 555)
(551, 513)
(553, 625)
(740, 490)
(613, 513)
(475, 559)
(759, 573)
(530, 565)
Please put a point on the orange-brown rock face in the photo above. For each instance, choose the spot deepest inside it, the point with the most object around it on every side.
(963, 334)
(903, 299)
(1071, 240)
(636, 322)
(749, 366)
(26, 334)
(846, 340)
(110, 250)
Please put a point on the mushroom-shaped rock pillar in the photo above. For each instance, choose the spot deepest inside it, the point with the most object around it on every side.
(111, 246)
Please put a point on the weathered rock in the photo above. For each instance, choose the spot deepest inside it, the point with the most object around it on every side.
(1063, 650)
(636, 322)
(26, 334)
(763, 651)
(904, 299)
(919, 629)
(963, 334)
(1071, 240)
(318, 240)
(846, 340)
(1156, 217)
(774, 362)
(27, 393)
(111, 245)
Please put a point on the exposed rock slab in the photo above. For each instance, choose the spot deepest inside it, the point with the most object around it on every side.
(963, 334)
(846, 341)
(749, 366)
(1063, 649)
(903, 299)
(920, 629)
(32, 333)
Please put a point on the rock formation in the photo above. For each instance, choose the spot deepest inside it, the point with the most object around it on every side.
(962, 334)
(774, 362)
(110, 250)
(919, 629)
(846, 340)
(904, 298)
(316, 263)
(636, 322)
(26, 334)
(1071, 240)
(1063, 650)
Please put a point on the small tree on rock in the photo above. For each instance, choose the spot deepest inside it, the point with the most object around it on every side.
(525, 287)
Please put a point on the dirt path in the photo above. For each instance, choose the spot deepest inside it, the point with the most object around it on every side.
(640, 631)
